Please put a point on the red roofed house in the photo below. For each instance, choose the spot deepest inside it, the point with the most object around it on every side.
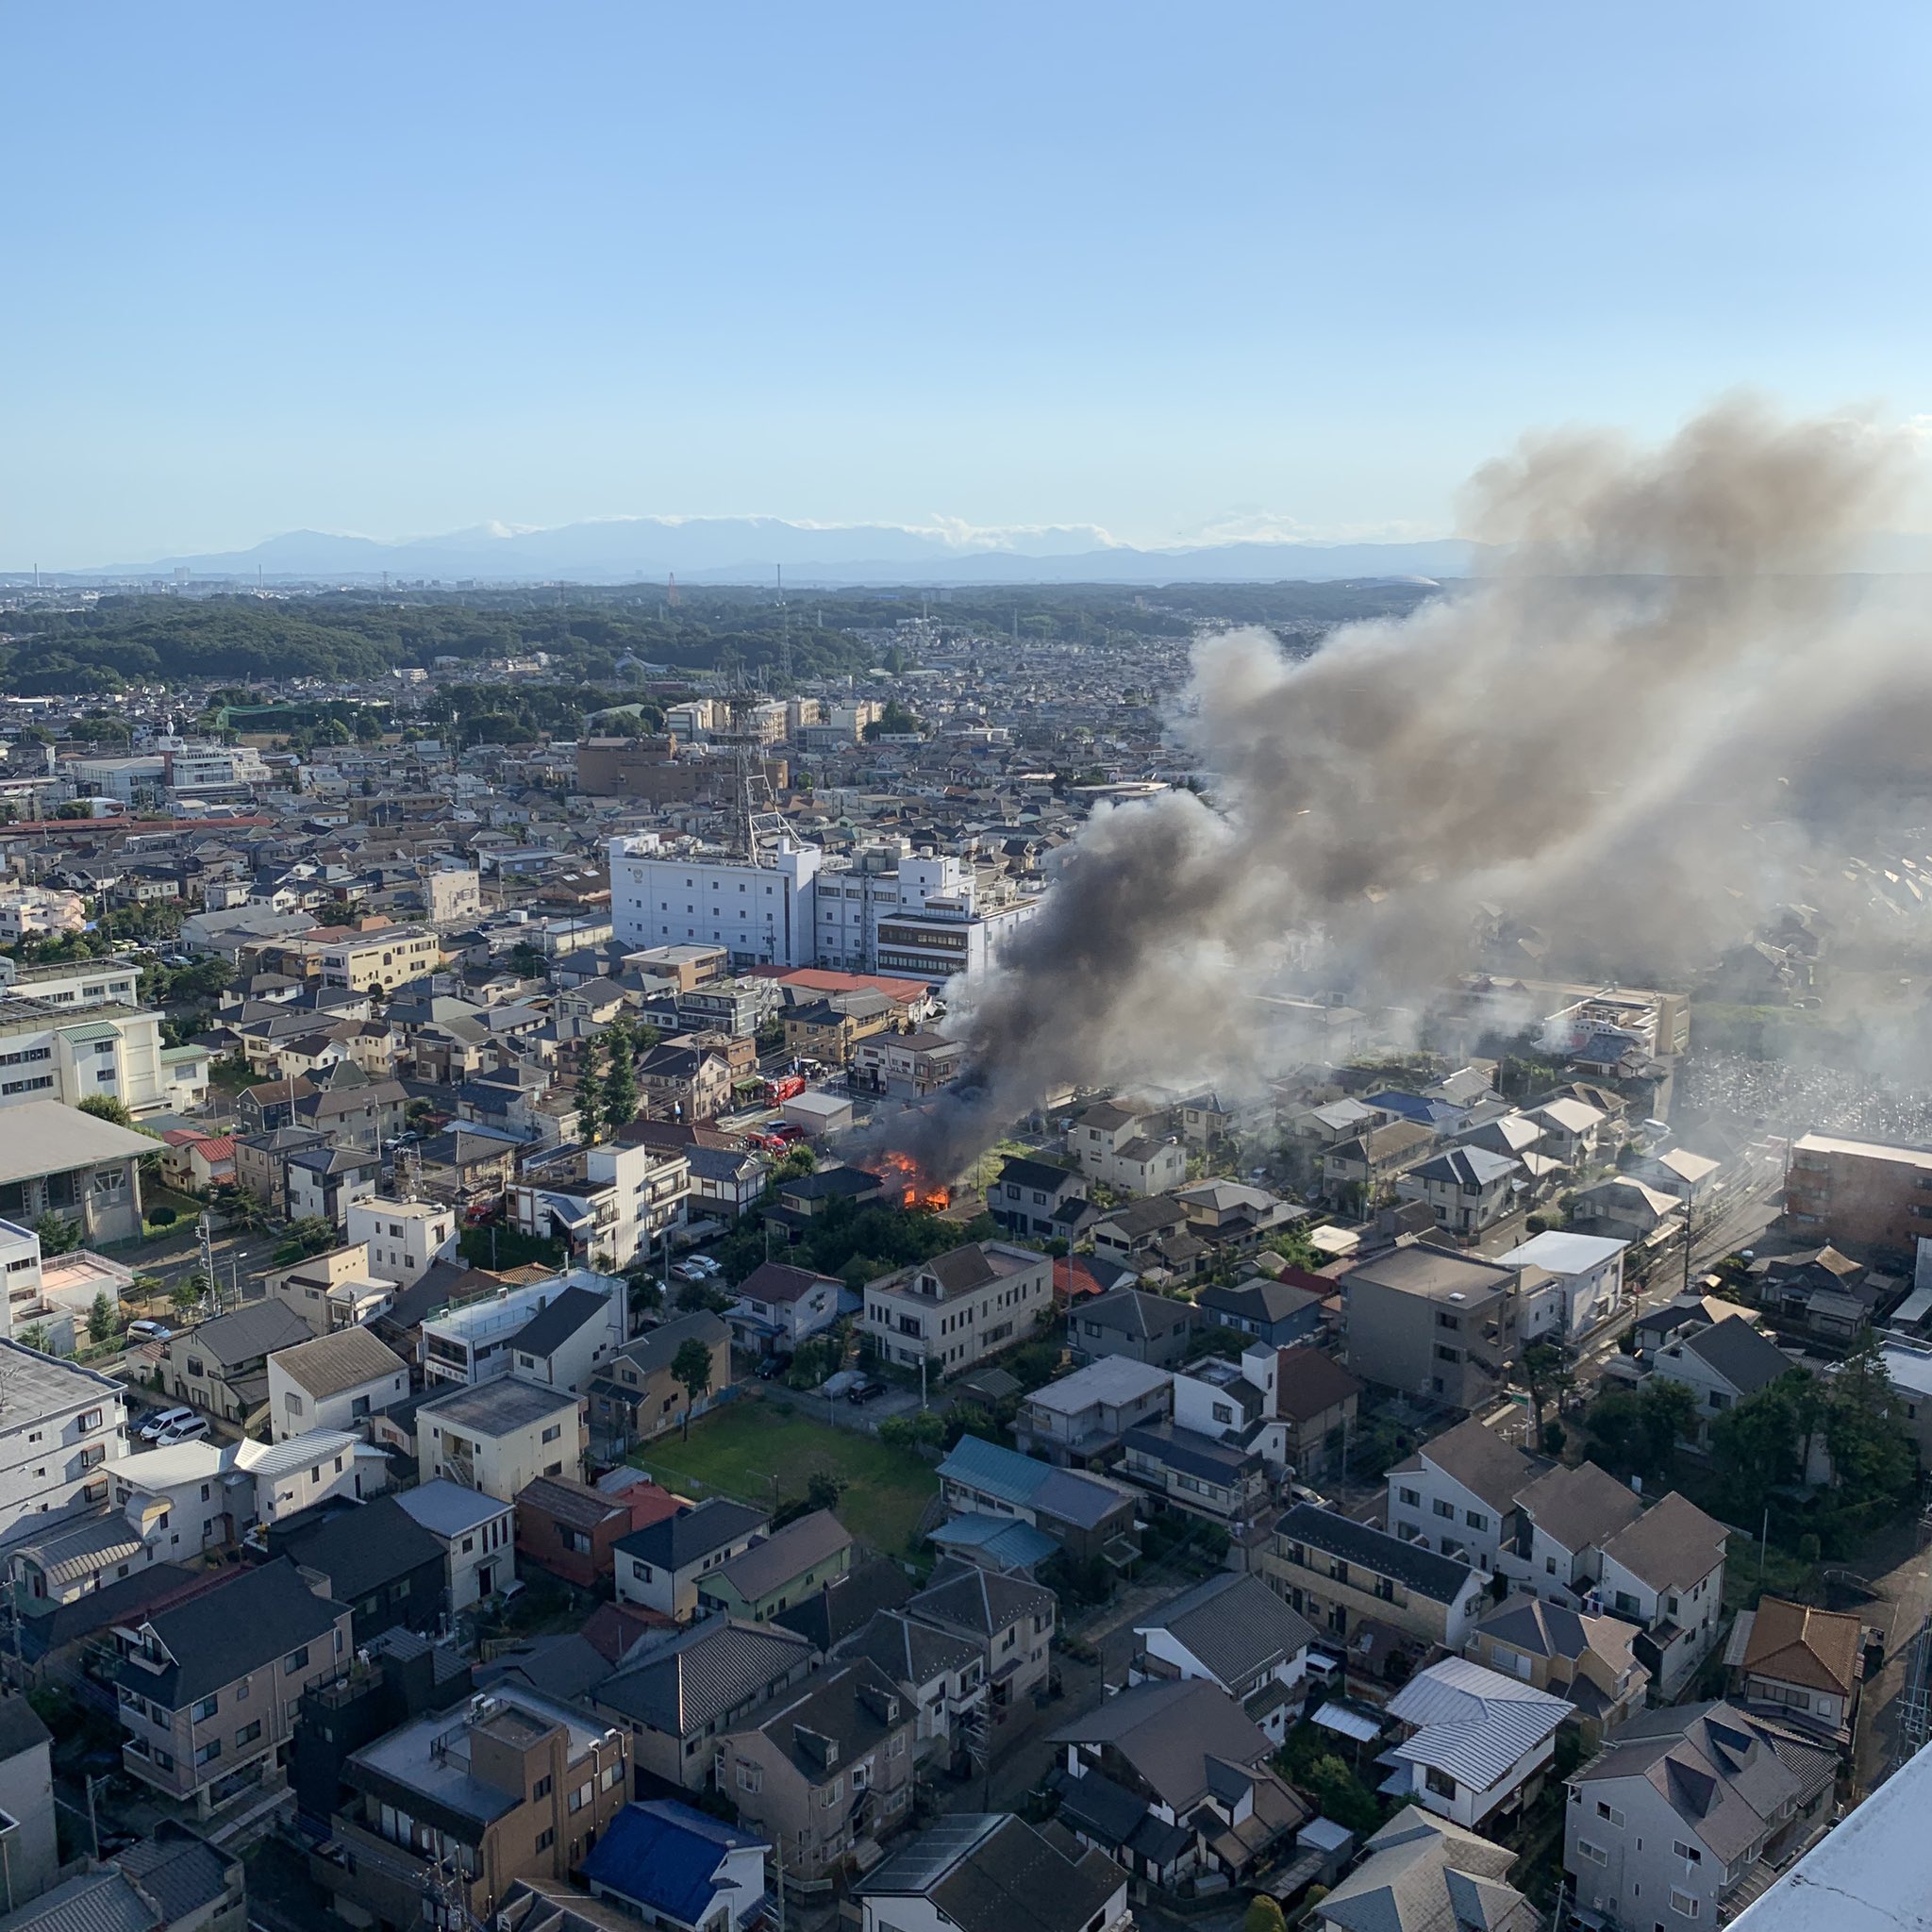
(570, 1529)
(1076, 1277)
(197, 1161)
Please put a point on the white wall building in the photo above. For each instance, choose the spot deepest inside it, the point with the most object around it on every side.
(25, 911)
(477, 1341)
(60, 1427)
(335, 1382)
(52, 1053)
(763, 915)
(478, 1534)
(404, 1237)
(500, 1437)
(1584, 1286)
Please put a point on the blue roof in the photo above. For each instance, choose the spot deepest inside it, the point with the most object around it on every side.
(1016, 1545)
(666, 1857)
(1418, 1108)
(1002, 1472)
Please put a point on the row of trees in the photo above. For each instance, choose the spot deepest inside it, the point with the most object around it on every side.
(607, 1094)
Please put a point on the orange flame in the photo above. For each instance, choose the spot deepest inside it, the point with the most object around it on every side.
(916, 1192)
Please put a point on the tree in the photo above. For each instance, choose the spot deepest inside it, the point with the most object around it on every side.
(1757, 1446)
(34, 1336)
(58, 1235)
(1635, 1432)
(822, 1489)
(1547, 1374)
(186, 1295)
(1263, 1915)
(691, 1367)
(619, 1083)
(590, 1094)
(311, 1235)
(100, 1318)
(103, 1106)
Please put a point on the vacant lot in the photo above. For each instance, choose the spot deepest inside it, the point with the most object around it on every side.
(740, 1449)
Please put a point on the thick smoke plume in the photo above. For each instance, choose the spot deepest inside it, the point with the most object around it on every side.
(1656, 713)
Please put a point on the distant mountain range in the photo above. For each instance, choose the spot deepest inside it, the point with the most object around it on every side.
(749, 550)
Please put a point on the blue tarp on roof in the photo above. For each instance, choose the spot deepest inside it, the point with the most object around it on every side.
(665, 1857)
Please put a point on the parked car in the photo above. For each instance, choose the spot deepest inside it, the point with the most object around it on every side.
(772, 1367)
(192, 1430)
(864, 1390)
(148, 1329)
(162, 1420)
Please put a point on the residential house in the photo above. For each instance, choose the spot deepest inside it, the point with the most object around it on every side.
(573, 1338)
(1113, 1144)
(992, 1873)
(323, 1183)
(960, 1308)
(332, 1382)
(1154, 1329)
(1800, 1665)
(826, 1769)
(261, 1162)
(1009, 1621)
(1238, 1633)
(26, 1798)
(943, 1677)
(499, 1437)
(907, 1066)
(990, 1489)
(1281, 1311)
(475, 1333)
(1197, 1473)
(1475, 1746)
(1423, 1873)
(777, 1570)
(662, 1565)
(375, 1557)
(635, 1396)
(1361, 1172)
(676, 1698)
(465, 1804)
(1586, 1660)
(209, 1689)
(1430, 1323)
(684, 1083)
(780, 1307)
(405, 1239)
(1082, 1419)
(1193, 1759)
(64, 1427)
(1564, 1517)
(221, 1366)
(1316, 1400)
(476, 1534)
(573, 1530)
(1721, 1365)
(1136, 1235)
(1666, 1571)
(1467, 1189)
(1340, 1574)
(1034, 1197)
(678, 1868)
(607, 1205)
(1668, 1821)
(1570, 1129)
(1624, 1208)
(724, 1181)
(1581, 1285)
(1457, 1493)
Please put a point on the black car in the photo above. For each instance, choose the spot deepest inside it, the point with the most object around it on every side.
(772, 1367)
(864, 1390)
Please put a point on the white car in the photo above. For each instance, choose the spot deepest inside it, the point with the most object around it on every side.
(148, 1329)
(191, 1431)
(162, 1421)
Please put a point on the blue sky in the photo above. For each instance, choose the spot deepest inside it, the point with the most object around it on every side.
(403, 269)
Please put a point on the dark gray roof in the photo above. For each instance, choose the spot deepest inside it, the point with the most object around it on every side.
(801, 1546)
(998, 1873)
(1475, 1455)
(677, 1541)
(715, 1668)
(20, 1728)
(258, 1329)
(1743, 1356)
(1193, 1454)
(1020, 1173)
(1581, 1508)
(1259, 1300)
(95, 1902)
(908, 1652)
(1168, 1732)
(658, 1349)
(258, 1615)
(1236, 1626)
(969, 1598)
(848, 1603)
(855, 1704)
(495, 1408)
(552, 1327)
(1441, 1580)
(360, 1548)
(1133, 1311)
(1672, 1545)
(181, 1873)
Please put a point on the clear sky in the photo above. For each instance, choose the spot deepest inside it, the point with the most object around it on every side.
(405, 267)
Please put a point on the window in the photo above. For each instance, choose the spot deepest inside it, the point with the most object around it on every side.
(1413, 1497)
(545, 1840)
(208, 1752)
(296, 1659)
(293, 1401)
(1682, 1902)
(201, 1712)
(540, 1789)
(750, 1777)
(553, 1432)
(247, 1734)
(1609, 1812)
(1446, 1510)
(1595, 1854)
(1475, 1519)
(581, 1796)
(1690, 1854)
(1439, 1782)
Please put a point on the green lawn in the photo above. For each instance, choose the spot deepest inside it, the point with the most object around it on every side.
(737, 1450)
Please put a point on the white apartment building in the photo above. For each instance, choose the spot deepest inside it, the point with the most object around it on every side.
(74, 984)
(608, 1204)
(20, 1262)
(56, 1053)
(202, 769)
(923, 919)
(961, 1306)
(405, 1239)
(762, 914)
(131, 780)
(500, 1438)
(60, 1427)
(473, 1344)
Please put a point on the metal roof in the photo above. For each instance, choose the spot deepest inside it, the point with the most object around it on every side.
(1473, 1724)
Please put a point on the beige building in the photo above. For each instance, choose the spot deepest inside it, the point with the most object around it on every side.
(404, 1237)
(384, 957)
(1430, 1323)
(499, 1435)
(961, 1306)
(1339, 1574)
(332, 1290)
(1591, 1661)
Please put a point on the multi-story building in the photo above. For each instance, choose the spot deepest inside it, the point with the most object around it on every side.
(1457, 1493)
(1338, 1573)
(1587, 1659)
(637, 1396)
(1081, 1419)
(1868, 1196)
(478, 1534)
(107, 1050)
(961, 1306)
(664, 1564)
(1665, 1825)
(333, 1382)
(405, 1239)
(907, 1066)
(606, 1204)
(61, 1427)
(461, 1804)
(1237, 1633)
(210, 1689)
(379, 955)
(499, 1437)
(989, 1873)
(75, 985)
(475, 1340)
(30, 911)
(763, 913)
(1430, 1323)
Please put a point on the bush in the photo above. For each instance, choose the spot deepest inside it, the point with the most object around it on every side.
(1263, 1915)
(1555, 1435)
(162, 1217)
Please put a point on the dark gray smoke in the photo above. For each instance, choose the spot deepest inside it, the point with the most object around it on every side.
(1607, 736)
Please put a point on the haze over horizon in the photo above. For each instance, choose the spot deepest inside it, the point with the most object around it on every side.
(411, 272)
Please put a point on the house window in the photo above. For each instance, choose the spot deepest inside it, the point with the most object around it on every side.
(553, 1432)
(545, 1840)
(247, 1734)
(296, 1659)
(1609, 1812)
(1439, 1782)
(1682, 1902)
(540, 1789)
(201, 1712)
(1690, 1854)
(1446, 1510)
(1596, 1854)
